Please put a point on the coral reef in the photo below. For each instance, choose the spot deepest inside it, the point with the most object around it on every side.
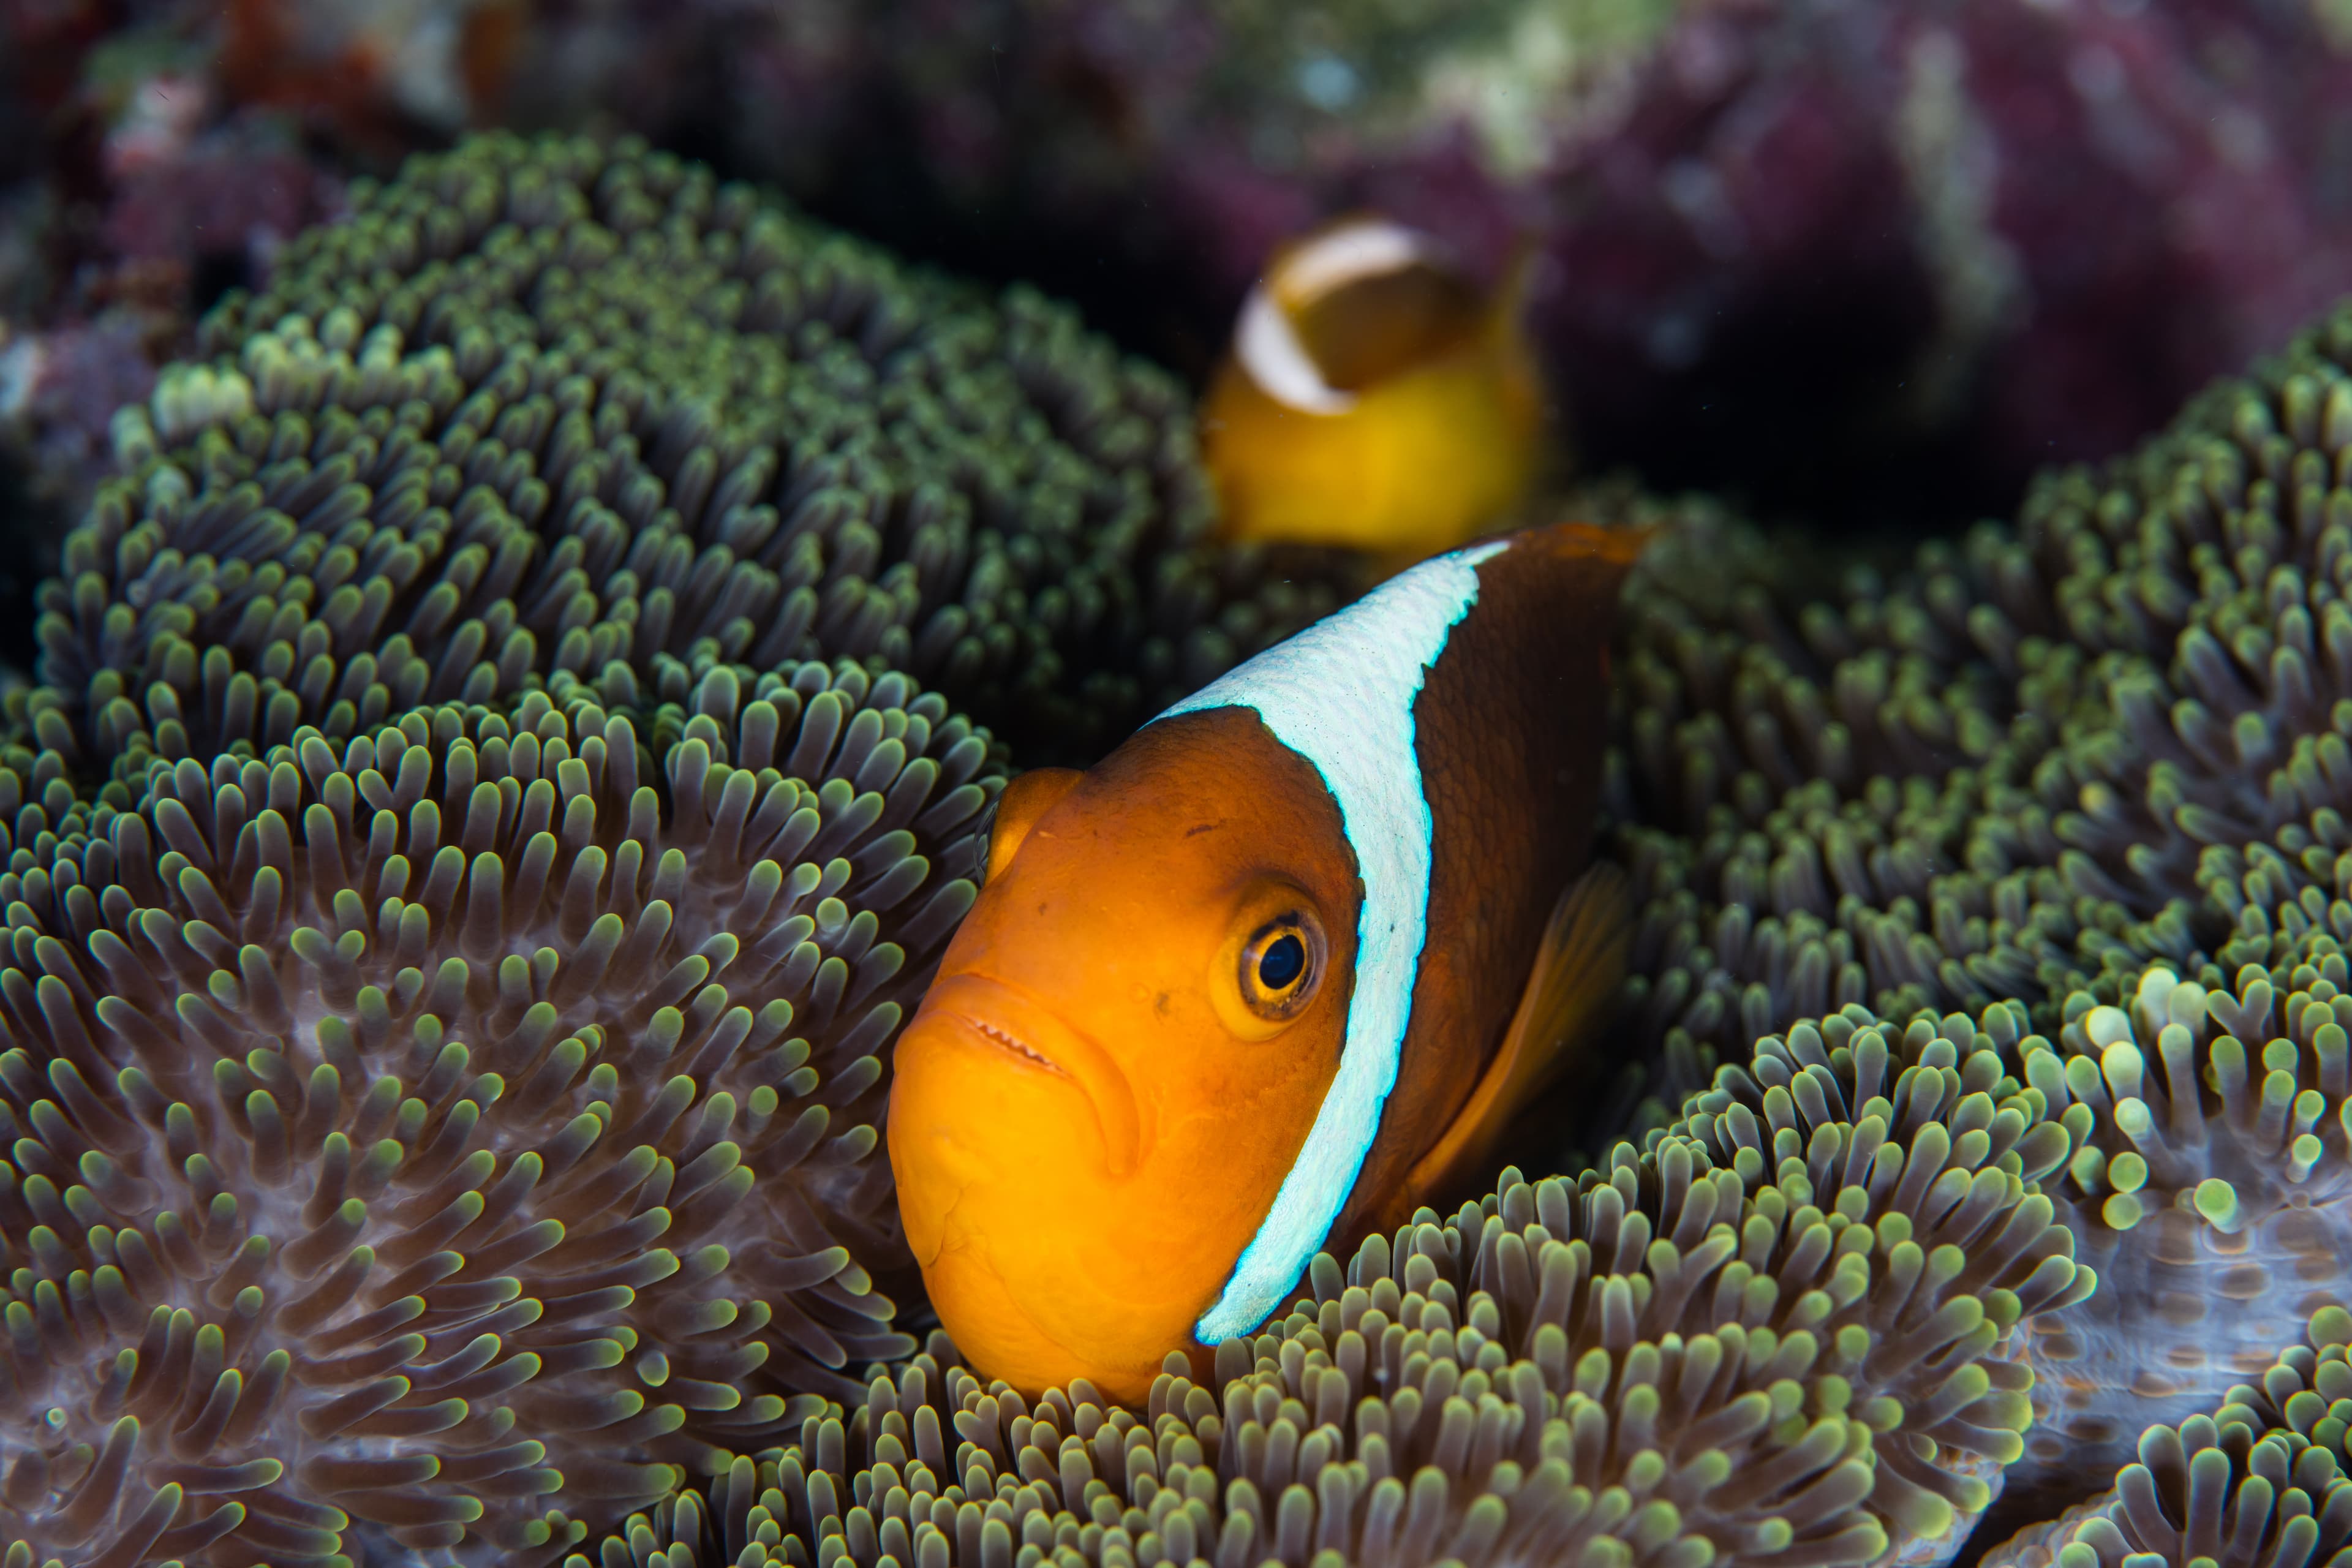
(465, 1131)
(544, 408)
(146, 189)
(375, 74)
(220, 204)
(1860, 259)
(58, 391)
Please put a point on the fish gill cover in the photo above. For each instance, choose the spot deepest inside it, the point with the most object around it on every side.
(475, 840)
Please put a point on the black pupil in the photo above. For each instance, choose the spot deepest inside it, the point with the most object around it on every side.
(1282, 962)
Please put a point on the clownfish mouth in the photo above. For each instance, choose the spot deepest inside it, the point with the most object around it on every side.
(1014, 1044)
(1026, 1033)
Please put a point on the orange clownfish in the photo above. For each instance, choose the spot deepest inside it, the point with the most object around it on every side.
(1373, 398)
(1275, 971)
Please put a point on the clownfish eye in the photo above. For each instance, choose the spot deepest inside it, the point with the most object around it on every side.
(1279, 966)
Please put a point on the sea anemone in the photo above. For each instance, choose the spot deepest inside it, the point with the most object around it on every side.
(1782, 1331)
(457, 925)
(552, 408)
(2033, 761)
(2093, 764)
(2212, 1189)
(460, 1134)
(2262, 1481)
(1802, 789)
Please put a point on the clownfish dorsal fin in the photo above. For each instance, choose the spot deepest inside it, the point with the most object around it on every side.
(1028, 797)
(1576, 973)
(1619, 547)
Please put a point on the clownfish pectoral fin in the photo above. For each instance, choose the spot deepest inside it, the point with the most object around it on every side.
(1028, 797)
(1577, 971)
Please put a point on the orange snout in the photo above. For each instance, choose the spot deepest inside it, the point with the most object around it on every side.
(1016, 1156)
(1085, 1129)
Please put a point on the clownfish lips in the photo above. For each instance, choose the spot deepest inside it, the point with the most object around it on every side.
(1030, 1036)
(1014, 1044)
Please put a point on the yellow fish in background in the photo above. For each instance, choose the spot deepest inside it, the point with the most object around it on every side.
(1374, 398)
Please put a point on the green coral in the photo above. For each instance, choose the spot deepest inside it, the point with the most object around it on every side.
(1518, 76)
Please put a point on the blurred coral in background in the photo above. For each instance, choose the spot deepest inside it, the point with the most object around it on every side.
(1919, 246)
(1867, 263)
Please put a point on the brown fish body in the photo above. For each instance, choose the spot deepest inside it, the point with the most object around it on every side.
(1508, 727)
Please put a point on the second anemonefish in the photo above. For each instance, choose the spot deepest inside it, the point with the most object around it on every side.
(1273, 972)
(1374, 398)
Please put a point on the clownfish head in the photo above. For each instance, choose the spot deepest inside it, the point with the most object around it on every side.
(1129, 1041)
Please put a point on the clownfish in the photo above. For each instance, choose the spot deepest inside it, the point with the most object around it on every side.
(1274, 972)
(1373, 398)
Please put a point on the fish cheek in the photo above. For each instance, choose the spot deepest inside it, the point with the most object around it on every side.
(1272, 1094)
(1258, 1060)
(1252, 1100)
